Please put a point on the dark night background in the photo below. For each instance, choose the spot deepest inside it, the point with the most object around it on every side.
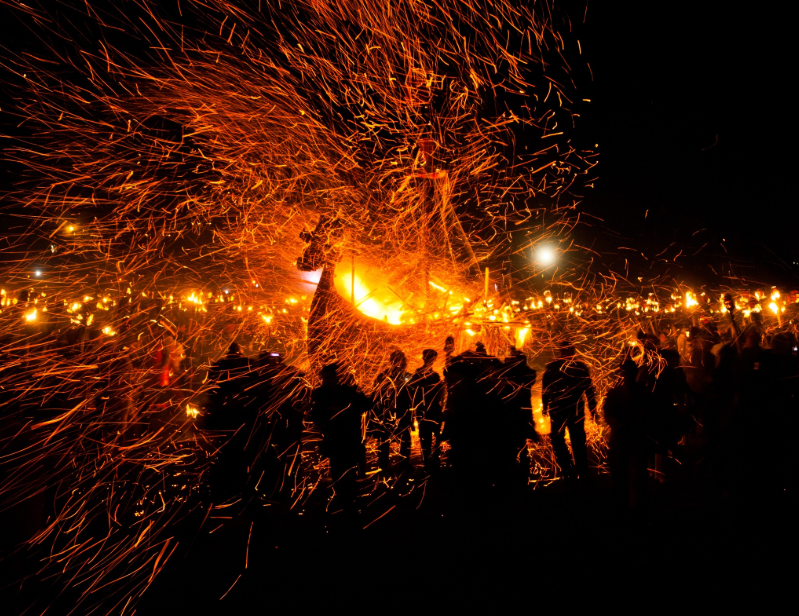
(692, 115)
(691, 111)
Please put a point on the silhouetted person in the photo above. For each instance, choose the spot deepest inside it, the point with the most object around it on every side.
(566, 385)
(227, 376)
(172, 355)
(337, 408)
(229, 413)
(118, 403)
(625, 409)
(666, 419)
(279, 399)
(393, 409)
(517, 380)
(449, 349)
(755, 372)
(427, 395)
(466, 407)
(781, 454)
(489, 424)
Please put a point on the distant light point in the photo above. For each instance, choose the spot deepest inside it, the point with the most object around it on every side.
(545, 256)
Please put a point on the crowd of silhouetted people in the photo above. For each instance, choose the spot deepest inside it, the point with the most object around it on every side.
(726, 398)
(722, 400)
(718, 400)
(481, 408)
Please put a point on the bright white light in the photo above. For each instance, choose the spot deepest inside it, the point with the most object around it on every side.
(37, 273)
(545, 256)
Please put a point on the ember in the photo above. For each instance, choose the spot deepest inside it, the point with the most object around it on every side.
(245, 244)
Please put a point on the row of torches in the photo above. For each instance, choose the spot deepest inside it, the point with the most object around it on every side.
(79, 315)
(481, 313)
(515, 314)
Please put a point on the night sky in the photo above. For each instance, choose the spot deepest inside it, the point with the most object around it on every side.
(691, 111)
(692, 115)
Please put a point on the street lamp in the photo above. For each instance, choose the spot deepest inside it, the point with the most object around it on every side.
(545, 256)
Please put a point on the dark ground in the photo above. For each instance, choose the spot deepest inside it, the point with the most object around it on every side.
(445, 543)
(464, 546)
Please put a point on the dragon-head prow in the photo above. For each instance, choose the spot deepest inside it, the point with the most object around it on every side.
(320, 243)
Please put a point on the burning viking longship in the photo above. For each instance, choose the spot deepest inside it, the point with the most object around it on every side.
(357, 317)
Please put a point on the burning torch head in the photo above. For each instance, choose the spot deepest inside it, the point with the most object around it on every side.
(729, 303)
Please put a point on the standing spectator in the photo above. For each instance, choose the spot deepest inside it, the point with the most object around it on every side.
(392, 409)
(427, 395)
(231, 415)
(625, 411)
(467, 416)
(517, 384)
(566, 384)
(227, 377)
(337, 410)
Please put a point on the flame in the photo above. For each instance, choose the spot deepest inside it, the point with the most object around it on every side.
(521, 336)
(370, 299)
(542, 424)
(195, 298)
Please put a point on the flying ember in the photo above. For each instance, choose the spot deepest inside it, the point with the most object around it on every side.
(223, 211)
